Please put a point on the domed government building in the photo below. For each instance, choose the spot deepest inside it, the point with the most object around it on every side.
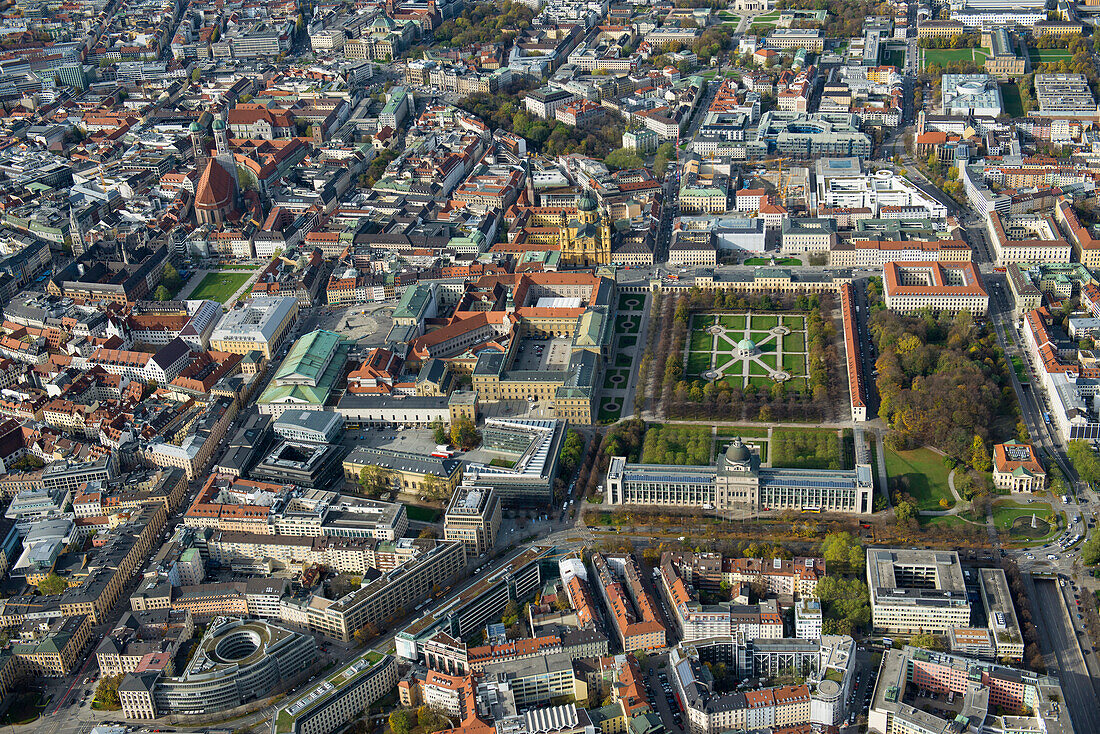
(738, 484)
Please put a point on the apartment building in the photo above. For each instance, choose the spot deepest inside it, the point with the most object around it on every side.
(631, 607)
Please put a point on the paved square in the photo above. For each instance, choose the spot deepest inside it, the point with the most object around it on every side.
(750, 348)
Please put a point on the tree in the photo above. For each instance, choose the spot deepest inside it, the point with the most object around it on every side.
(439, 433)
(401, 721)
(246, 178)
(623, 158)
(427, 533)
(979, 456)
(842, 548)
(904, 511)
(665, 153)
(1090, 550)
(162, 294)
(429, 720)
(928, 642)
(434, 487)
(374, 480)
(52, 584)
(170, 278)
(196, 74)
(464, 433)
(106, 693)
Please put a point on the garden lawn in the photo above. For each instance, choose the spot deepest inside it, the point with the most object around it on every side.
(701, 341)
(1010, 94)
(1047, 55)
(942, 56)
(421, 514)
(735, 322)
(219, 287)
(896, 58)
(698, 363)
(1005, 512)
(611, 409)
(742, 431)
(626, 298)
(628, 324)
(794, 364)
(926, 474)
(766, 261)
(763, 322)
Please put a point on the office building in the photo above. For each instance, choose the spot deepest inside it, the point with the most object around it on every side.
(916, 591)
(338, 698)
(1064, 95)
(1016, 468)
(941, 286)
(986, 692)
(473, 517)
(260, 325)
(970, 94)
(236, 661)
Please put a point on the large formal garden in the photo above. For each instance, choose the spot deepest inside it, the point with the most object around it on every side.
(727, 356)
(749, 348)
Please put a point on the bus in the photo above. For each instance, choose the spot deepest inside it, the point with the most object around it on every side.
(812, 509)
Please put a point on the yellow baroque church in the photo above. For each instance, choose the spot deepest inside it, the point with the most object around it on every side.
(586, 240)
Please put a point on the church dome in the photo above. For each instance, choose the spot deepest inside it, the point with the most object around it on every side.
(586, 202)
(219, 124)
(195, 127)
(746, 345)
(737, 453)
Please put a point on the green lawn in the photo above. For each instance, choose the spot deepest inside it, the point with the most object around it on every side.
(735, 322)
(1010, 94)
(896, 58)
(796, 323)
(626, 300)
(611, 409)
(1046, 55)
(1018, 365)
(627, 341)
(422, 514)
(1005, 512)
(794, 364)
(701, 341)
(219, 287)
(794, 342)
(763, 322)
(698, 363)
(926, 473)
(628, 324)
(766, 261)
(756, 368)
(942, 56)
(943, 521)
(608, 384)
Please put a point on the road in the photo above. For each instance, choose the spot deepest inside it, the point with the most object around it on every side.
(1064, 658)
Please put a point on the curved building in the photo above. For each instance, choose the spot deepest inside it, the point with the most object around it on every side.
(237, 661)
